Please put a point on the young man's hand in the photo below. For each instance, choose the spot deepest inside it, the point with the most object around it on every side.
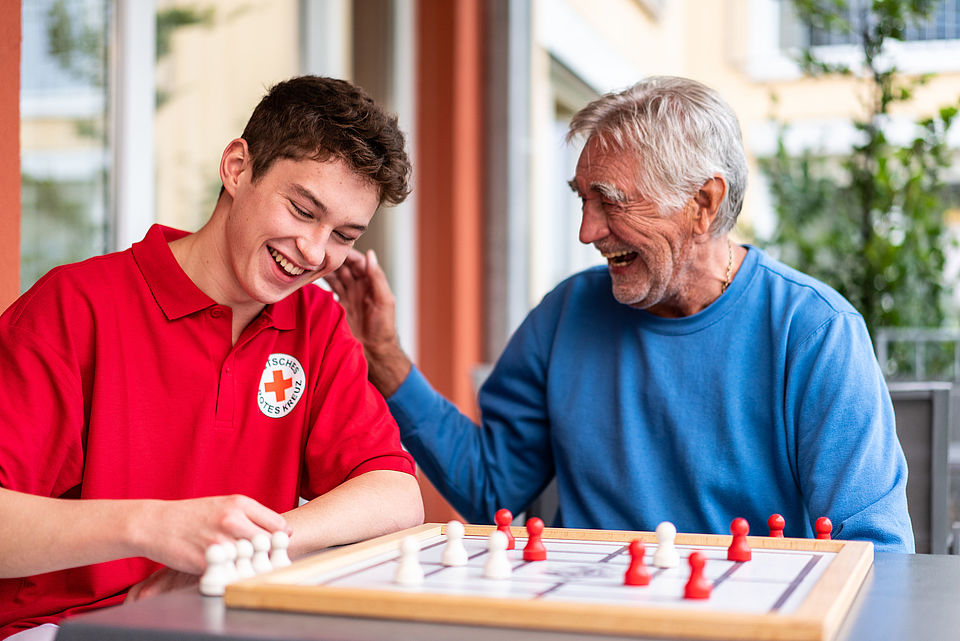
(178, 533)
(41, 534)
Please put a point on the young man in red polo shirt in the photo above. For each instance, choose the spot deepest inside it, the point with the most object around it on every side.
(193, 388)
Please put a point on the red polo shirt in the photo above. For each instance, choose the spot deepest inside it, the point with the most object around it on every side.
(120, 380)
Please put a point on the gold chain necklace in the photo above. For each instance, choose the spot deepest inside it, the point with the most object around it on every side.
(726, 281)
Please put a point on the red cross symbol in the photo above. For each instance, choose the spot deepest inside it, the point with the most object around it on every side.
(279, 385)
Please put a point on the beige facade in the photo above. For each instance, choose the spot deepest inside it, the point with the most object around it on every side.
(209, 84)
(217, 71)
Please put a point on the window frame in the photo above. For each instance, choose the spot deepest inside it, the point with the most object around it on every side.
(774, 41)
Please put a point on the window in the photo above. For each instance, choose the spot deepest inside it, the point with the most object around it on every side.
(943, 24)
(65, 160)
(577, 64)
(563, 253)
(776, 37)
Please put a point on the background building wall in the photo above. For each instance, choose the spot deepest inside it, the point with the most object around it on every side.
(212, 79)
(9, 151)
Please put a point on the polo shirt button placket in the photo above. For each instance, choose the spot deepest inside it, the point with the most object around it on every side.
(225, 394)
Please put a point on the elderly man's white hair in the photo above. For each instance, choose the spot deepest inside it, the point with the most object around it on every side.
(683, 134)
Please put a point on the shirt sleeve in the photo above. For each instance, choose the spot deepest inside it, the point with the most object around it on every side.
(850, 464)
(507, 460)
(41, 415)
(352, 431)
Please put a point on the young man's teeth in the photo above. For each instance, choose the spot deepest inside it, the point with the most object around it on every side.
(287, 266)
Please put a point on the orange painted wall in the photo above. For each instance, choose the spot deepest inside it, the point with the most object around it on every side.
(9, 151)
(449, 186)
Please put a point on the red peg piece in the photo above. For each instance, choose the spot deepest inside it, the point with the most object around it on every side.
(697, 586)
(823, 527)
(504, 518)
(776, 524)
(739, 549)
(637, 573)
(534, 550)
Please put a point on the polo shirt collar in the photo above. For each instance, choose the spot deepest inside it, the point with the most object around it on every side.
(282, 314)
(173, 290)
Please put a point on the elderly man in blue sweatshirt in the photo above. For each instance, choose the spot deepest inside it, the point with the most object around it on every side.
(692, 379)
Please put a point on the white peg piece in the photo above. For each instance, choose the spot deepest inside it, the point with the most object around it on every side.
(666, 555)
(261, 553)
(231, 565)
(454, 553)
(279, 543)
(408, 571)
(245, 559)
(217, 574)
(498, 563)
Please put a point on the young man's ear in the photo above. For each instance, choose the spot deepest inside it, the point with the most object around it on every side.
(708, 199)
(235, 159)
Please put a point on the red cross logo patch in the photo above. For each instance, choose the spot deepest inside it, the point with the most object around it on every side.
(281, 385)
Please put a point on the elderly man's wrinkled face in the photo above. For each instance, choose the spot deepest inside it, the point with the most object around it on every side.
(647, 252)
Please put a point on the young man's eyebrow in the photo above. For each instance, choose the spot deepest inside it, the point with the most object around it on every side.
(306, 193)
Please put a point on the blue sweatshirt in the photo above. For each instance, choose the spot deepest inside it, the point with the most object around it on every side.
(768, 401)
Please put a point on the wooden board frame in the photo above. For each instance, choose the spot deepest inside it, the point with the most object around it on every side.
(817, 618)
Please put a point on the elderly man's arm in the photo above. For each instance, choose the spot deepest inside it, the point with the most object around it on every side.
(851, 465)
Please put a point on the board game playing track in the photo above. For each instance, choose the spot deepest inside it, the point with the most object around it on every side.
(792, 589)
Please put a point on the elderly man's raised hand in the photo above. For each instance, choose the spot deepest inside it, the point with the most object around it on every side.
(362, 288)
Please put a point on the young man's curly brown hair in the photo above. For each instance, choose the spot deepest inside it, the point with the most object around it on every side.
(323, 118)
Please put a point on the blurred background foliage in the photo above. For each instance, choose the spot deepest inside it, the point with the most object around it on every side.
(870, 223)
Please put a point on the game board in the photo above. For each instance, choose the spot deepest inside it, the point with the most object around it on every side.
(796, 589)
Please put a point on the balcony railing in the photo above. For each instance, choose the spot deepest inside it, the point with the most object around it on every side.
(919, 354)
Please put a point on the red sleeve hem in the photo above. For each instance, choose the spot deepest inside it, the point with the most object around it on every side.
(401, 462)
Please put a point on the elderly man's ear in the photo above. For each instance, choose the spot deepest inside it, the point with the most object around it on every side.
(707, 201)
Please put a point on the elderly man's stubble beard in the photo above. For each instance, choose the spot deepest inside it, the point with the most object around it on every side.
(664, 247)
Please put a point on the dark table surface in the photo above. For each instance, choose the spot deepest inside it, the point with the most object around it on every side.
(905, 596)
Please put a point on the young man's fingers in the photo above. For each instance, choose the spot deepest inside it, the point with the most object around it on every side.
(266, 518)
(247, 518)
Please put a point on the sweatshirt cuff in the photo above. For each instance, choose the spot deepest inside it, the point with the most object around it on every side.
(413, 396)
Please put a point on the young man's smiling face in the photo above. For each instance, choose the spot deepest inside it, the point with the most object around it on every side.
(294, 224)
